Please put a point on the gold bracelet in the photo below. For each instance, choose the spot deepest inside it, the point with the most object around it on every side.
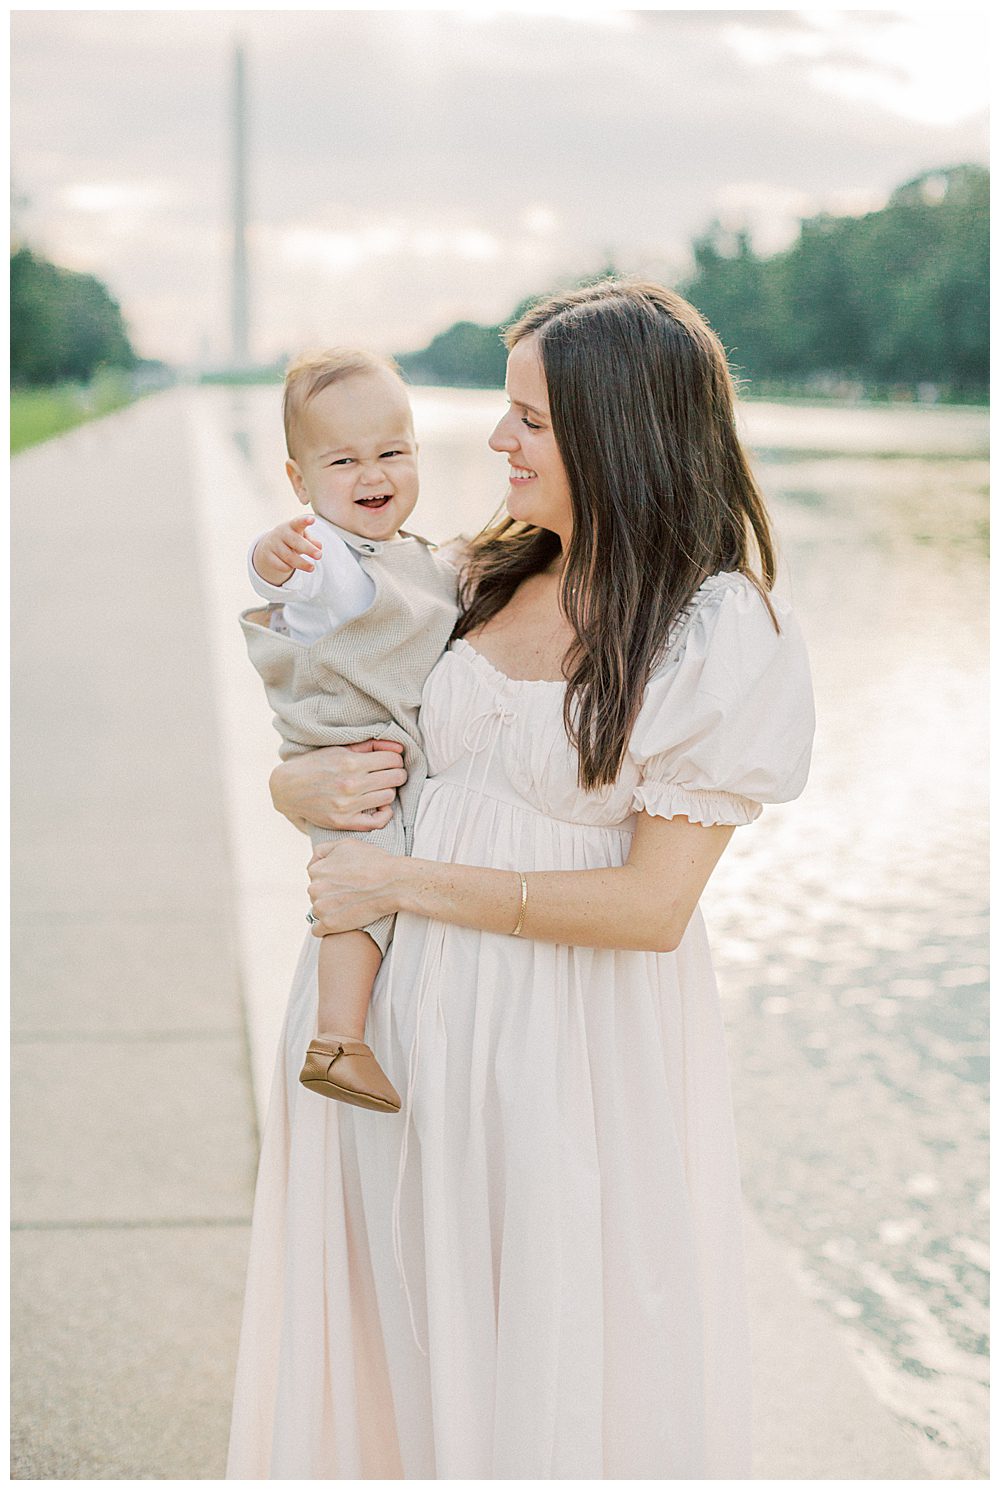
(524, 902)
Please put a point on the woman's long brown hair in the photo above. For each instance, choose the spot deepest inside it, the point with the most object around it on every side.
(642, 408)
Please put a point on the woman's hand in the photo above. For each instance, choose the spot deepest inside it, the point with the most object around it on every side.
(350, 787)
(353, 884)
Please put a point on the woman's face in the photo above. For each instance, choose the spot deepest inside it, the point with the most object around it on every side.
(539, 487)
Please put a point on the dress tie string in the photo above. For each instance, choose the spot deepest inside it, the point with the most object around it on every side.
(482, 732)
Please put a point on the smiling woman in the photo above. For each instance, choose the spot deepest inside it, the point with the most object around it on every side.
(466, 1291)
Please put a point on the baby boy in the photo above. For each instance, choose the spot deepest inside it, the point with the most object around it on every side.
(361, 611)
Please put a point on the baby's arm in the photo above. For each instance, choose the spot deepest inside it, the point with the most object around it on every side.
(307, 570)
(284, 549)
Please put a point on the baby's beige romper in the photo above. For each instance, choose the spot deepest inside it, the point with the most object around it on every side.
(363, 681)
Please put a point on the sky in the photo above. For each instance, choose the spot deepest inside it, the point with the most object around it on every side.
(412, 168)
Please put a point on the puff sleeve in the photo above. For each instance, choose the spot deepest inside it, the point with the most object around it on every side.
(727, 719)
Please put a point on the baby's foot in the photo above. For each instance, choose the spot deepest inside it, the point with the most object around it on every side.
(345, 1069)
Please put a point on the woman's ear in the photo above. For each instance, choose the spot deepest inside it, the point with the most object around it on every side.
(298, 481)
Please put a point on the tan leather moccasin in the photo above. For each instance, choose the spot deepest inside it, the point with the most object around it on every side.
(347, 1071)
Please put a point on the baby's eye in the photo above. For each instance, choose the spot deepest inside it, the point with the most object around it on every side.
(345, 460)
(386, 454)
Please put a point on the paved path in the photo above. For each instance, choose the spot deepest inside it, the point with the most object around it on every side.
(150, 954)
(135, 1130)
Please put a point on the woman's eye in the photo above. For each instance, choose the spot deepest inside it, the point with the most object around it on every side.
(529, 423)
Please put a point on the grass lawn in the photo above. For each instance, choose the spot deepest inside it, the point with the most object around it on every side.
(39, 413)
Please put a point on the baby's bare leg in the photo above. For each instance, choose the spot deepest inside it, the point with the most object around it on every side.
(348, 963)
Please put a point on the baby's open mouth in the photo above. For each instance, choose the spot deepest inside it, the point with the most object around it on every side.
(375, 504)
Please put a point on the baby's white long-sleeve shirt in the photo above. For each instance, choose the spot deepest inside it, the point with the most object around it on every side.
(322, 599)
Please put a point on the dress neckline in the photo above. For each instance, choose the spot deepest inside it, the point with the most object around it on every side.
(712, 584)
(505, 678)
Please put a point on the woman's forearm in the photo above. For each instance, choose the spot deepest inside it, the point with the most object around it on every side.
(580, 907)
(644, 904)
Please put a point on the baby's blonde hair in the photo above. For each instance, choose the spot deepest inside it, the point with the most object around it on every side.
(311, 372)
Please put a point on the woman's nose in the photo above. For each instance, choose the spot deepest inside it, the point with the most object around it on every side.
(503, 437)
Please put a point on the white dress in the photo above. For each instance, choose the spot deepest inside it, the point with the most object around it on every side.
(561, 1193)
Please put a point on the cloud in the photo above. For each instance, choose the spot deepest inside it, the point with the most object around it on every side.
(116, 197)
(928, 67)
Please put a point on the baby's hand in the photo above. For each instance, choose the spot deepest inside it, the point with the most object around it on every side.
(286, 548)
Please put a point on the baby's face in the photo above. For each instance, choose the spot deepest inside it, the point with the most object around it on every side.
(356, 457)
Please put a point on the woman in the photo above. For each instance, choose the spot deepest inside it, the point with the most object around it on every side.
(537, 1271)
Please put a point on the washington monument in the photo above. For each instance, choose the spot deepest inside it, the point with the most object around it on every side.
(240, 312)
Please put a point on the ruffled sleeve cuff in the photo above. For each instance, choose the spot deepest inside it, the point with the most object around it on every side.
(727, 720)
(666, 799)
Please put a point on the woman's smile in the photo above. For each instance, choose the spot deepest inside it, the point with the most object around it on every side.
(521, 473)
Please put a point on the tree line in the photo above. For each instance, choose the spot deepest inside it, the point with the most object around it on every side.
(894, 299)
(64, 326)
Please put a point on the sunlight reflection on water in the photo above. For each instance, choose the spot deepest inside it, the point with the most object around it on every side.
(849, 927)
(851, 932)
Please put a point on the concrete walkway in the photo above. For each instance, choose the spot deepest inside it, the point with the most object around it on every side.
(150, 950)
(135, 1130)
